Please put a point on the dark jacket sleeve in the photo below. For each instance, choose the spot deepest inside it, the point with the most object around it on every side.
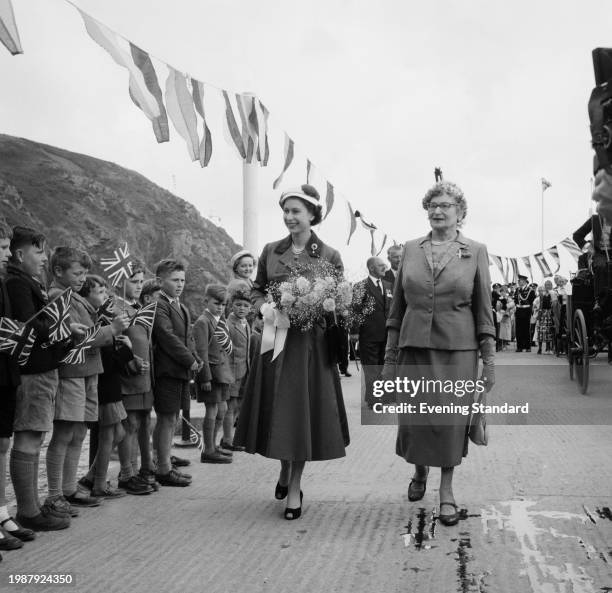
(258, 294)
(398, 304)
(580, 234)
(201, 337)
(23, 307)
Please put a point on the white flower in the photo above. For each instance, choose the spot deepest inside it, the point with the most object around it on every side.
(285, 287)
(287, 299)
(302, 284)
(329, 305)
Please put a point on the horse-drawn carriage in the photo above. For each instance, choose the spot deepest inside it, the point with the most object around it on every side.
(588, 321)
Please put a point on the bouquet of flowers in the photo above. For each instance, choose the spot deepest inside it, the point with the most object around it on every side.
(316, 292)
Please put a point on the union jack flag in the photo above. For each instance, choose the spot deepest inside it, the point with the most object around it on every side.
(77, 354)
(58, 311)
(106, 311)
(119, 266)
(145, 316)
(15, 340)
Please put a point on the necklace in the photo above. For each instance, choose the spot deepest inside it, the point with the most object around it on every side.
(441, 242)
(296, 250)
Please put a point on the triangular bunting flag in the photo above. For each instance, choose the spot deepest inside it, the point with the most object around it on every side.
(543, 264)
(9, 35)
(198, 100)
(515, 270)
(498, 262)
(179, 104)
(527, 263)
(288, 160)
(145, 65)
(571, 246)
(353, 222)
(232, 126)
(554, 253)
(329, 199)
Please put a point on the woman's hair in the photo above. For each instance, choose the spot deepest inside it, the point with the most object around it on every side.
(238, 257)
(452, 190)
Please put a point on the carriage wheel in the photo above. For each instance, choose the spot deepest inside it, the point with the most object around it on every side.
(580, 354)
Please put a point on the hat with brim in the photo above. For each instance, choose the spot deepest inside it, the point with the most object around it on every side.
(238, 256)
(521, 277)
(304, 192)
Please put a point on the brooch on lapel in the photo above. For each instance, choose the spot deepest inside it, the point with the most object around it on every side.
(389, 294)
(463, 252)
(314, 248)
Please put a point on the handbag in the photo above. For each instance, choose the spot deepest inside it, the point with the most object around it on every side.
(478, 430)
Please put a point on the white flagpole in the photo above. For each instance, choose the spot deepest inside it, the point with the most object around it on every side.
(542, 246)
(249, 203)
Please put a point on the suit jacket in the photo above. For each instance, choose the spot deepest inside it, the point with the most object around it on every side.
(374, 328)
(277, 259)
(9, 372)
(447, 310)
(216, 361)
(173, 345)
(390, 278)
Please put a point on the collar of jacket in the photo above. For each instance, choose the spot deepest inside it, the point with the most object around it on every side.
(458, 239)
(312, 248)
(13, 270)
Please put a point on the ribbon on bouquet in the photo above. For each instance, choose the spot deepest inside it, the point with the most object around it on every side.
(274, 333)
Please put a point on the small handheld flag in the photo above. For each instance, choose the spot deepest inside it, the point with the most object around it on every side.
(77, 354)
(58, 312)
(145, 316)
(106, 311)
(119, 266)
(16, 341)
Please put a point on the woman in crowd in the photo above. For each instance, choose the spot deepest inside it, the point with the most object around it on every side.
(440, 319)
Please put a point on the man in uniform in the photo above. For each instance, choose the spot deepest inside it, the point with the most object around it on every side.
(523, 299)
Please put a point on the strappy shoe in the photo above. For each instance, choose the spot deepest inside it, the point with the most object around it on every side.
(280, 492)
(417, 492)
(25, 535)
(449, 520)
(292, 514)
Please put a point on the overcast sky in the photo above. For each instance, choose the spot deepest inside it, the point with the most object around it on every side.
(375, 94)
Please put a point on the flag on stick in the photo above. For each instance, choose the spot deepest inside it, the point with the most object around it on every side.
(545, 184)
(58, 312)
(119, 266)
(16, 341)
(26, 345)
(106, 312)
(145, 317)
(76, 355)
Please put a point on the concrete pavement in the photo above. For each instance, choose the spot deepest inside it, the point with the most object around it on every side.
(534, 506)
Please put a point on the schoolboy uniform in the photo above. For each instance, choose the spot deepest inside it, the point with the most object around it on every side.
(240, 334)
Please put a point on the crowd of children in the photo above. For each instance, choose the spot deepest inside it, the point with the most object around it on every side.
(126, 370)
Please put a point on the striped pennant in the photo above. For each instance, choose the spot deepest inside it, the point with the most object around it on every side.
(370, 228)
(180, 106)
(543, 264)
(495, 259)
(554, 253)
(119, 266)
(145, 65)
(263, 148)
(571, 246)
(329, 199)
(197, 88)
(289, 146)
(58, 312)
(9, 35)
(527, 263)
(121, 54)
(232, 126)
(352, 221)
(308, 170)
(145, 316)
(76, 355)
(515, 270)
(382, 246)
(254, 122)
(106, 312)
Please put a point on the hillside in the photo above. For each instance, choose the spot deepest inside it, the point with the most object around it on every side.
(97, 205)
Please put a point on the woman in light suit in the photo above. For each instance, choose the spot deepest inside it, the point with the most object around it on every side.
(440, 319)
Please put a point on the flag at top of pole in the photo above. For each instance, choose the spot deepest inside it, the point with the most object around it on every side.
(545, 184)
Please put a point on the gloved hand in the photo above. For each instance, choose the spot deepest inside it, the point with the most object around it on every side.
(389, 370)
(487, 352)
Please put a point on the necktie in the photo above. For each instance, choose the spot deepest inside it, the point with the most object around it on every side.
(222, 336)
(379, 287)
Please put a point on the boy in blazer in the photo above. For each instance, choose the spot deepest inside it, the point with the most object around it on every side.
(174, 362)
(214, 347)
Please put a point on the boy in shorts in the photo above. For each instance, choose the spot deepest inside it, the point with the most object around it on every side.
(76, 401)
(214, 346)
(240, 334)
(35, 397)
(11, 534)
(174, 361)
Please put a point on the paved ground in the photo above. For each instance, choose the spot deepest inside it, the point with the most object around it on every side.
(536, 513)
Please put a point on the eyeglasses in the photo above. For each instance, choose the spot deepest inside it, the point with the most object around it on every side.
(444, 206)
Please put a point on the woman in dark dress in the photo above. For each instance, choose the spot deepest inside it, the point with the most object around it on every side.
(293, 409)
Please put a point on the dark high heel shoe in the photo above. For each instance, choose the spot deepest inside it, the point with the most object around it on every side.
(291, 514)
(280, 492)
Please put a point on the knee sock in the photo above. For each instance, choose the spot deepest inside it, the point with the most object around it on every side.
(144, 444)
(218, 428)
(56, 453)
(208, 429)
(134, 450)
(71, 465)
(125, 457)
(35, 479)
(228, 427)
(22, 466)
